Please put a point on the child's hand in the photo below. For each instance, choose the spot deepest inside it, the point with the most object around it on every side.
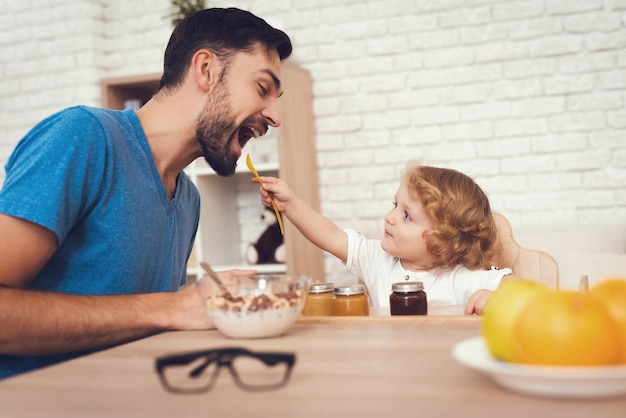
(277, 189)
(476, 303)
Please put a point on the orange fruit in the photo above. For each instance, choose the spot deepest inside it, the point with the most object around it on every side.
(566, 329)
(612, 293)
(502, 310)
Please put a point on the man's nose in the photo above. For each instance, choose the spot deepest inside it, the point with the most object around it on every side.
(272, 114)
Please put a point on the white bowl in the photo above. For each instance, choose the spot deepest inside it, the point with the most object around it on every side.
(263, 305)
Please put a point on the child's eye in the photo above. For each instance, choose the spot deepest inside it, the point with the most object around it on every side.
(394, 204)
(407, 216)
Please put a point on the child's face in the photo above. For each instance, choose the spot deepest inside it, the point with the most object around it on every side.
(404, 226)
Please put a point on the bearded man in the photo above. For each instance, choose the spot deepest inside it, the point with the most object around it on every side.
(97, 217)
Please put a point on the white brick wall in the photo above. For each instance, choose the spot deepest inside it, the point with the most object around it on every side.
(527, 97)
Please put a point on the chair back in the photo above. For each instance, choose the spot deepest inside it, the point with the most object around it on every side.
(529, 264)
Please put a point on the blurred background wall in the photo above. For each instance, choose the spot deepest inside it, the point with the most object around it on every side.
(527, 97)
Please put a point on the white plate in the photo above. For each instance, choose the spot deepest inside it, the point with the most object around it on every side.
(553, 381)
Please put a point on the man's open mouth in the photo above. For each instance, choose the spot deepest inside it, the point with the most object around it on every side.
(247, 132)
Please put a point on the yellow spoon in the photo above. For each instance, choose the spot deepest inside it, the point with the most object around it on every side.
(251, 168)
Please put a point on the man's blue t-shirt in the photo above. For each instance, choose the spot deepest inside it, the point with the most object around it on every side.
(88, 175)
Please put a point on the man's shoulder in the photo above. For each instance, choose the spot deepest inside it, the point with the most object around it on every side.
(80, 118)
(89, 112)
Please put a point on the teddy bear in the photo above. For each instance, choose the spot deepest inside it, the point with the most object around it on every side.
(270, 246)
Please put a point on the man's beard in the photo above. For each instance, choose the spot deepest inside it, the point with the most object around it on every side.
(216, 132)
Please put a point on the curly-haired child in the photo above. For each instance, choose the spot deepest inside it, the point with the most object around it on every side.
(440, 231)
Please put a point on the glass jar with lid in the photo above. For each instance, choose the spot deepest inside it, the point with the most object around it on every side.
(408, 298)
(319, 300)
(350, 300)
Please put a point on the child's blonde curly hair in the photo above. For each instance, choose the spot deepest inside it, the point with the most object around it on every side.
(464, 231)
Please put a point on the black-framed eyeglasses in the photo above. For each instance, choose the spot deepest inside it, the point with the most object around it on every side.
(197, 371)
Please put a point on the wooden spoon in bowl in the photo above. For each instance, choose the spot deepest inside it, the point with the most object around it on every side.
(217, 280)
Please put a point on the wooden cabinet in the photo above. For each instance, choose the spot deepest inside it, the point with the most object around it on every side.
(117, 91)
(230, 206)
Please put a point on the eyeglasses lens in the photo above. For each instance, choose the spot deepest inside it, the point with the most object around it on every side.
(193, 376)
(253, 373)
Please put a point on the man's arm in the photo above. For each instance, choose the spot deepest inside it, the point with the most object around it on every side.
(25, 248)
(38, 323)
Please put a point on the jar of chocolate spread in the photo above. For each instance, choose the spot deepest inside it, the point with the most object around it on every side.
(408, 298)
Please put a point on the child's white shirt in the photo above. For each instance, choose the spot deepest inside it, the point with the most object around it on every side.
(379, 270)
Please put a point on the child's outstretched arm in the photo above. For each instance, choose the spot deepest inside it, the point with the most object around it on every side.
(318, 229)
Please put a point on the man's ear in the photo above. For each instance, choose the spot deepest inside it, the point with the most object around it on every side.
(206, 69)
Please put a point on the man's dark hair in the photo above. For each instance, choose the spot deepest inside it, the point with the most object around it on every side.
(224, 31)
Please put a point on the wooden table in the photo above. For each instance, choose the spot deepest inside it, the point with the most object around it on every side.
(377, 366)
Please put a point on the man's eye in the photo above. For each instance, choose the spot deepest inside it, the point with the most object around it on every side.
(264, 91)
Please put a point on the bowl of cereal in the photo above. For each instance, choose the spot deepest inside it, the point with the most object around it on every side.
(260, 306)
